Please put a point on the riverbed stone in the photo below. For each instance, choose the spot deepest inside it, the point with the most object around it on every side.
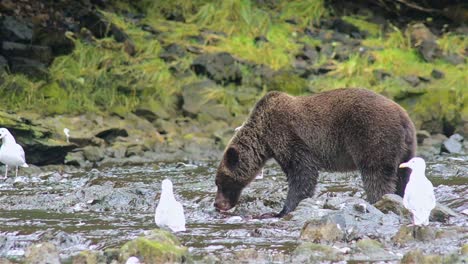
(421, 135)
(442, 213)
(321, 233)
(392, 203)
(42, 253)
(453, 145)
(88, 257)
(308, 252)
(417, 256)
(414, 233)
(15, 29)
(155, 246)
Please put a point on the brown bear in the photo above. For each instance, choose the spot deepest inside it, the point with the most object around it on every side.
(339, 130)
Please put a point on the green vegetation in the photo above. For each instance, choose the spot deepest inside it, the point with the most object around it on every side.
(101, 76)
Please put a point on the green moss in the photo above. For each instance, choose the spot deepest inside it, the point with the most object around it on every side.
(369, 246)
(363, 25)
(158, 247)
(313, 253)
(276, 53)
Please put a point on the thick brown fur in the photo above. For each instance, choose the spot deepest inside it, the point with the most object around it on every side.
(338, 130)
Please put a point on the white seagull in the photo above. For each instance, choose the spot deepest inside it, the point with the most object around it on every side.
(169, 213)
(66, 131)
(11, 154)
(419, 196)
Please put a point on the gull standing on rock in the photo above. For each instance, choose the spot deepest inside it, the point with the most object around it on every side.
(11, 154)
(419, 196)
(169, 213)
(66, 131)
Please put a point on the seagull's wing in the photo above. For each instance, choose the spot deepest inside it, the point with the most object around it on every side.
(177, 217)
(21, 152)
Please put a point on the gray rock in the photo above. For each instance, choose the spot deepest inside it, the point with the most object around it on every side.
(413, 80)
(370, 251)
(172, 52)
(315, 253)
(109, 135)
(453, 145)
(93, 153)
(436, 74)
(321, 233)
(392, 203)
(42, 253)
(75, 159)
(14, 29)
(381, 75)
(454, 58)
(42, 54)
(32, 68)
(219, 67)
(442, 213)
(3, 64)
(424, 41)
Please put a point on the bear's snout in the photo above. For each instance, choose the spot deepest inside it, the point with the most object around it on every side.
(222, 205)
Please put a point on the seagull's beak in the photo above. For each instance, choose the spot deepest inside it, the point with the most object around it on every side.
(404, 165)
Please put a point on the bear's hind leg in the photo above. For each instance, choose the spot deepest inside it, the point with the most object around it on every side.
(378, 180)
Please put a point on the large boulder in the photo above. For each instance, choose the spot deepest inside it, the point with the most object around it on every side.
(37, 140)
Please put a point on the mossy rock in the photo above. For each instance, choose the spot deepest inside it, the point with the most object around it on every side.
(315, 253)
(369, 246)
(464, 250)
(288, 82)
(159, 246)
(321, 233)
(88, 257)
(411, 233)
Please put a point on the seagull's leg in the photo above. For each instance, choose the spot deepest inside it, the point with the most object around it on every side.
(6, 171)
(16, 175)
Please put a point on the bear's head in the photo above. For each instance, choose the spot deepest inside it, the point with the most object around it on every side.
(230, 180)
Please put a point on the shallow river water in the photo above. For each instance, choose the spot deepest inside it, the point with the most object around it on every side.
(107, 206)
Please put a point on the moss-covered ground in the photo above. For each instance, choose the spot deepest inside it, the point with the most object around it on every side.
(100, 77)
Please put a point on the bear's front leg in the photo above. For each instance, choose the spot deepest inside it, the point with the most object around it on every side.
(301, 184)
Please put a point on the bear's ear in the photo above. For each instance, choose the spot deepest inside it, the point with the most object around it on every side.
(232, 157)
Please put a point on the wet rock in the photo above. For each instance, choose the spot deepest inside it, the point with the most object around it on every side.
(369, 250)
(436, 74)
(321, 233)
(417, 256)
(442, 213)
(454, 144)
(421, 135)
(424, 41)
(42, 253)
(88, 257)
(172, 52)
(410, 233)
(110, 135)
(315, 253)
(156, 246)
(431, 146)
(14, 29)
(356, 224)
(219, 67)
(93, 154)
(392, 203)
